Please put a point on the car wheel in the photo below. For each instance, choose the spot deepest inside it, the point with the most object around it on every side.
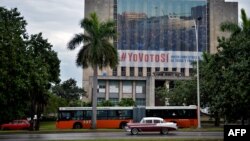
(164, 131)
(77, 126)
(134, 131)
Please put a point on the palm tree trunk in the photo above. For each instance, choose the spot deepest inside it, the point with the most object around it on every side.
(94, 98)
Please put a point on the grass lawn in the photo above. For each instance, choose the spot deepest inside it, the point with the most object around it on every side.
(51, 126)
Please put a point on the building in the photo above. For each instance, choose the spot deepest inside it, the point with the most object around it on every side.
(156, 43)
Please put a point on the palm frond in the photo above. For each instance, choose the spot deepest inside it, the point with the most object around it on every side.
(245, 20)
(110, 55)
(87, 25)
(75, 41)
(107, 30)
(244, 17)
(82, 56)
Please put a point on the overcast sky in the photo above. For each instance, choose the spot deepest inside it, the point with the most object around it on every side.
(58, 20)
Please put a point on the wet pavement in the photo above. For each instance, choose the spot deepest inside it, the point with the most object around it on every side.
(105, 135)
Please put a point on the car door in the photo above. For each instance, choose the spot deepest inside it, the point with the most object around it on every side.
(13, 125)
(156, 125)
(148, 125)
(21, 125)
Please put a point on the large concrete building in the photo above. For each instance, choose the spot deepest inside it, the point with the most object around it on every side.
(156, 43)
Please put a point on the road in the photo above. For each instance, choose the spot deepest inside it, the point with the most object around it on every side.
(106, 135)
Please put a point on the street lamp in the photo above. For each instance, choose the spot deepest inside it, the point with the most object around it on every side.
(198, 75)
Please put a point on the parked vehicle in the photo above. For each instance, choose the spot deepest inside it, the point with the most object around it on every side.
(151, 124)
(16, 125)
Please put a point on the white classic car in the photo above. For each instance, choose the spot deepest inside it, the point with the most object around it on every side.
(151, 124)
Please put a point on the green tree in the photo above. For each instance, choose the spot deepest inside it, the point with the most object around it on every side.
(28, 67)
(106, 103)
(126, 102)
(161, 95)
(53, 103)
(14, 98)
(212, 82)
(68, 90)
(97, 51)
(183, 93)
(234, 52)
(227, 73)
(43, 69)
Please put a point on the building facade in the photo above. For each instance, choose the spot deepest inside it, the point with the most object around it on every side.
(156, 43)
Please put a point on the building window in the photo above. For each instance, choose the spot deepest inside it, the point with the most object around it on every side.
(101, 87)
(115, 72)
(174, 69)
(183, 71)
(157, 69)
(123, 71)
(191, 71)
(165, 69)
(127, 87)
(140, 87)
(114, 101)
(132, 71)
(140, 71)
(148, 71)
(140, 101)
(114, 86)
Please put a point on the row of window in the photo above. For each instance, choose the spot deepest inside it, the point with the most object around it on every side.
(149, 71)
(101, 114)
(126, 114)
(115, 101)
(127, 87)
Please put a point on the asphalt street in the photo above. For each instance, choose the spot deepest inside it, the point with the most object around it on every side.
(106, 135)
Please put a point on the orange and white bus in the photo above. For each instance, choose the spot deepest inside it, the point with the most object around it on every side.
(118, 117)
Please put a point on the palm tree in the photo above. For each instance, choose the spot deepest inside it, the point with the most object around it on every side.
(234, 28)
(97, 51)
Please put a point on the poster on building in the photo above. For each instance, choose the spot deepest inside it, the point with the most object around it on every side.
(137, 58)
(161, 33)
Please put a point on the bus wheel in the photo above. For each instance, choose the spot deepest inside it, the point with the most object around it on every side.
(122, 125)
(134, 131)
(164, 131)
(77, 125)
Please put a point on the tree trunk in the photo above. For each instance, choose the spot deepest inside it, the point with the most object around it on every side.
(39, 110)
(248, 121)
(242, 121)
(216, 120)
(94, 98)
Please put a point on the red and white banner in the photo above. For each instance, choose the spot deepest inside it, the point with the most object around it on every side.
(138, 58)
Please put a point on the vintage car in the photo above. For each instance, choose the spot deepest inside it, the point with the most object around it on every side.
(151, 124)
(16, 125)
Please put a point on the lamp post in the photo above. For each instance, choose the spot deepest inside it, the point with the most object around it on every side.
(198, 75)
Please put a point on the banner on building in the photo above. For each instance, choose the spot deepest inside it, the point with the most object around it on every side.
(137, 58)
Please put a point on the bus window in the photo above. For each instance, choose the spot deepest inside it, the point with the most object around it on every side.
(126, 114)
(113, 114)
(154, 113)
(102, 114)
(78, 115)
(191, 114)
(87, 114)
(65, 115)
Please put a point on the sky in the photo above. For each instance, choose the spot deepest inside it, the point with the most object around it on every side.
(59, 20)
